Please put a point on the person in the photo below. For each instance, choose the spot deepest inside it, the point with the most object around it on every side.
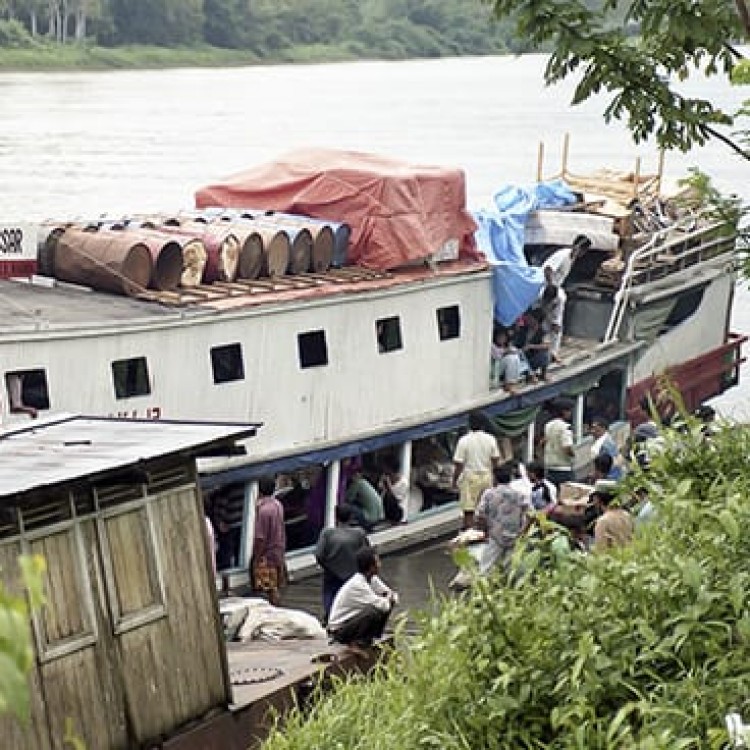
(543, 492)
(606, 468)
(501, 515)
(365, 500)
(508, 366)
(558, 266)
(603, 441)
(363, 604)
(558, 444)
(336, 553)
(535, 343)
(614, 527)
(268, 569)
(394, 489)
(16, 404)
(553, 304)
(475, 457)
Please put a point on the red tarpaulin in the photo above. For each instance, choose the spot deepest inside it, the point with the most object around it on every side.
(398, 212)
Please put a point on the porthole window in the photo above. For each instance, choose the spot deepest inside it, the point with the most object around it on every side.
(449, 322)
(130, 377)
(312, 349)
(388, 332)
(227, 364)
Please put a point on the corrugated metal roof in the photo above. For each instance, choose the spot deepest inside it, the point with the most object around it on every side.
(68, 448)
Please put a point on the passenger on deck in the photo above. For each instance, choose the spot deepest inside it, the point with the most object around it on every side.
(558, 266)
(394, 488)
(536, 343)
(365, 500)
(475, 457)
(606, 468)
(363, 604)
(553, 304)
(336, 553)
(16, 404)
(558, 444)
(509, 367)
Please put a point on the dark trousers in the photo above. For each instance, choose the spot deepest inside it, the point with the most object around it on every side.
(331, 586)
(558, 476)
(362, 628)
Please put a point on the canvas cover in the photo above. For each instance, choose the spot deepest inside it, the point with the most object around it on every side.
(398, 212)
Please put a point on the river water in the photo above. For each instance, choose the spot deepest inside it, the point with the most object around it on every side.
(86, 144)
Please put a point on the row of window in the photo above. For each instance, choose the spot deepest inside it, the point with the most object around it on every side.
(28, 388)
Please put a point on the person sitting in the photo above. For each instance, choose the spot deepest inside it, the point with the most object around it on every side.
(509, 365)
(606, 468)
(395, 490)
(365, 501)
(363, 604)
(336, 553)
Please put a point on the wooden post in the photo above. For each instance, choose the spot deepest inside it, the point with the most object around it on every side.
(540, 162)
(566, 149)
(636, 176)
(660, 173)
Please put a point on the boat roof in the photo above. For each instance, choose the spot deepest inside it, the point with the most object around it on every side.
(67, 448)
(45, 303)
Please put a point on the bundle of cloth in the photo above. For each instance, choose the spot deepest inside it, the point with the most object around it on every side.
(252, 619)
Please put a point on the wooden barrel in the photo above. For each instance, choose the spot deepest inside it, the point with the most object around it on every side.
(342, 233)
(277, 246)
(300, 257)
(166, 252)
(107, 260)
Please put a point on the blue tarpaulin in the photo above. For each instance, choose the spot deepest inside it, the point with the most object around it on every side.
(500, 236)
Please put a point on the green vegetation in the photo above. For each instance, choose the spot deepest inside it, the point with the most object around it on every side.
(158, 33)
(642, 63)
(16, 652)
(647, 647)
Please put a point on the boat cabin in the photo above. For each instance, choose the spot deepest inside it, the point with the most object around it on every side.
(129, 645)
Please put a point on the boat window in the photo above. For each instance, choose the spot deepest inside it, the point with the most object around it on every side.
(27, 391)
(685, 305)
(130, 377)
(313, 351)
(227, 364)
(449, 322)
(388, 332)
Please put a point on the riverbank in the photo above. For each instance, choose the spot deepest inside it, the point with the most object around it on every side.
(49, 57)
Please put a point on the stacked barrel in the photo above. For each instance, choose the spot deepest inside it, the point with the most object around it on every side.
(188, 249)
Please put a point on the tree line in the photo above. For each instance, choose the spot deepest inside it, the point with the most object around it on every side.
(390, 29)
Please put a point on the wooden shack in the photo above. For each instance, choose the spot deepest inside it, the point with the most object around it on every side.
(129, 646)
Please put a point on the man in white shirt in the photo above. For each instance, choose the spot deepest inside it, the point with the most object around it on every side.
(559, 448)
(363, 604)
(558, 265)
(475, 457)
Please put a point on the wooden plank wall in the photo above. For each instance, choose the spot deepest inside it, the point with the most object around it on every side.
(173, 668)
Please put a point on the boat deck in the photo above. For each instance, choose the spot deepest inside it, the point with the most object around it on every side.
(47, 304)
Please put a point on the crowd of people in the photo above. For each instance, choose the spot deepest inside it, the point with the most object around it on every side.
(522, 353)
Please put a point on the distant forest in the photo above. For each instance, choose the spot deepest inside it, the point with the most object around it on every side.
(265, 29)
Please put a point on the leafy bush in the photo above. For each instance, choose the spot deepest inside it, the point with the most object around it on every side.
(13, 35)
(644, 647)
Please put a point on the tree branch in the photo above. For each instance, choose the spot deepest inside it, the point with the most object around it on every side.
(744, 14)
(728, 141)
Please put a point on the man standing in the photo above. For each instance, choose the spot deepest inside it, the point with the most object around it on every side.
(614, 527)
(475, 457)
(363, 604)
(336, 552)
(501, 514)
(559, 264)
(267, 566)
(558, 444)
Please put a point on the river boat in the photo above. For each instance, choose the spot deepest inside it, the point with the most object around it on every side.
(379, 345)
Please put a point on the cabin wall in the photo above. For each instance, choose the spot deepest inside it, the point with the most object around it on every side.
(701, 332)
(128, 646)
(360, 390)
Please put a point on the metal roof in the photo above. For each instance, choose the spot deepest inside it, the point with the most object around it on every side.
(67, 448)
